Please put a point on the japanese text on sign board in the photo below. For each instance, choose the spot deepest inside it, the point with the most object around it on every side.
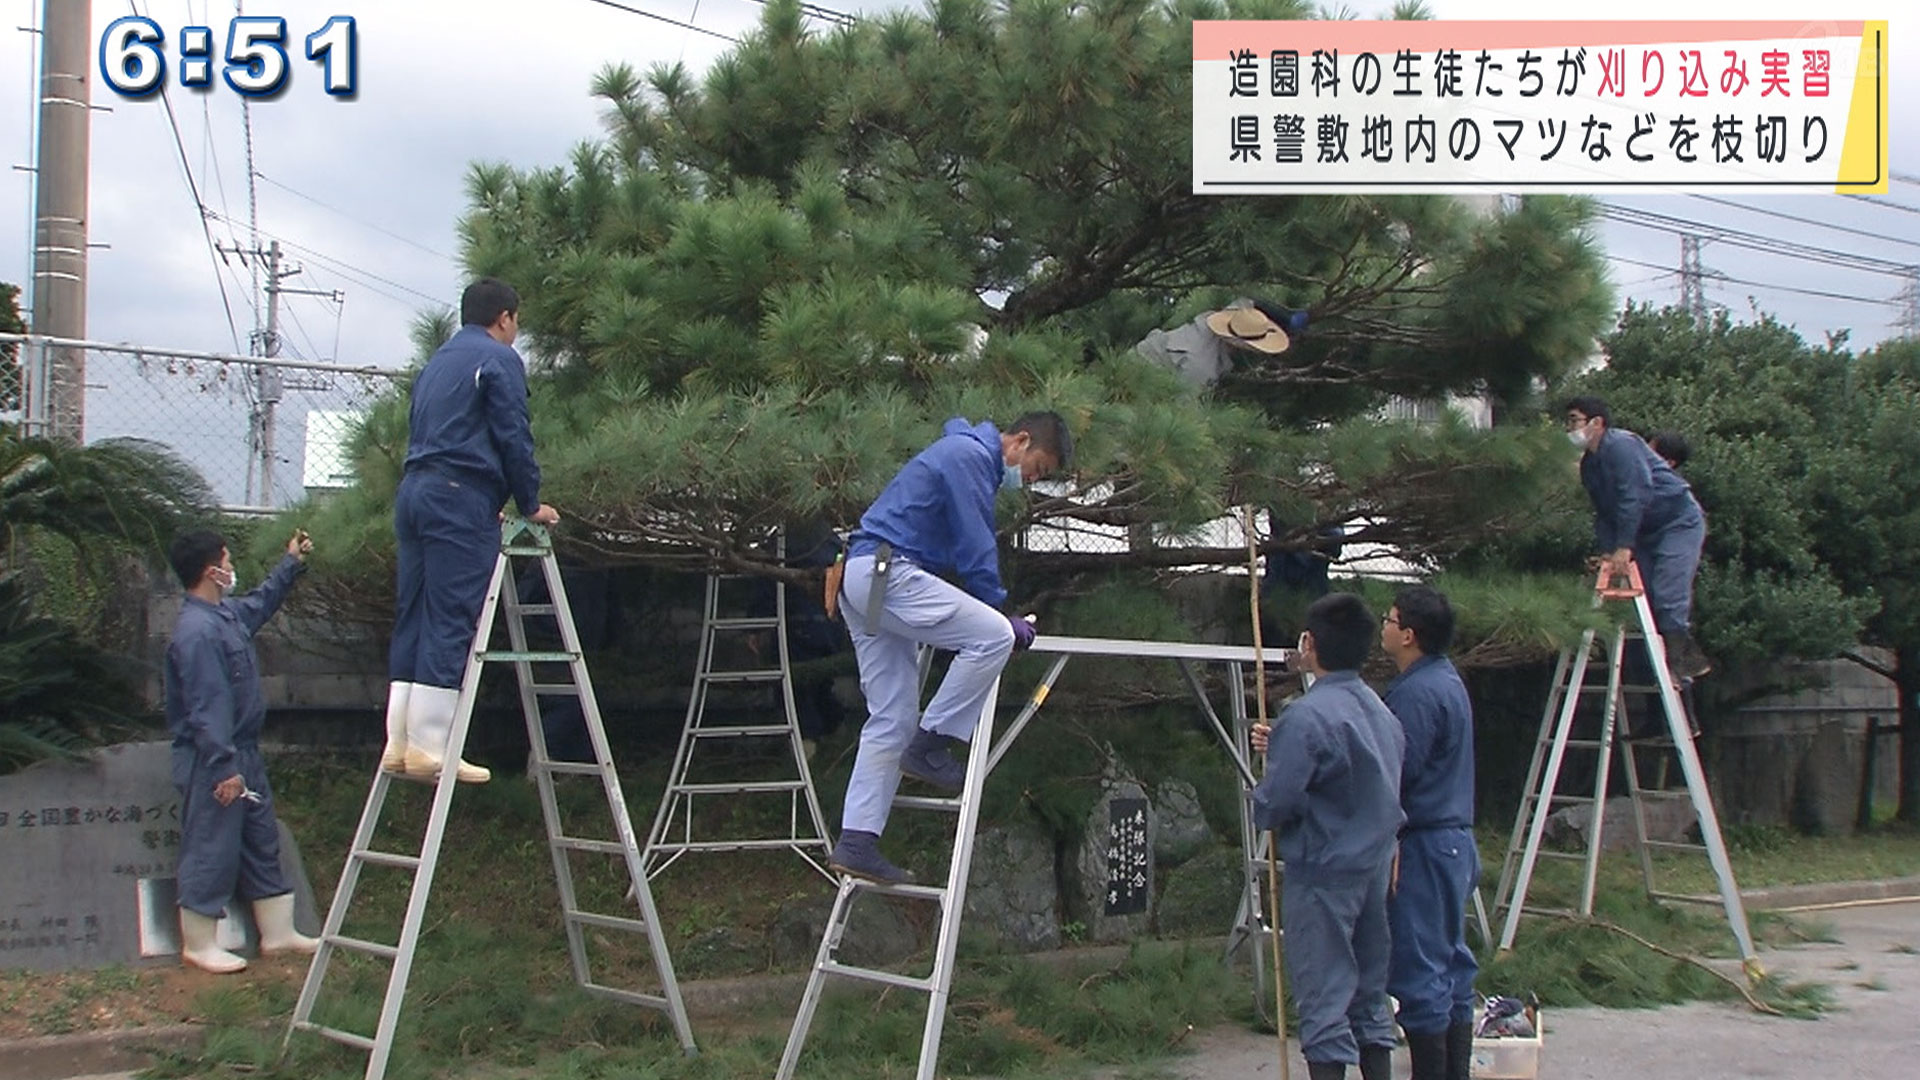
(1305, 106)
(1129, 857)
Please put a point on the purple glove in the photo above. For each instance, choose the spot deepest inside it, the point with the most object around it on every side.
(1022, 632)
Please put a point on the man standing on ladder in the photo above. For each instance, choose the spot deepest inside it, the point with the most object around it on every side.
(1643, 512)
(469, 447)
(1432, 969)
(1331, 793)
(935, 516)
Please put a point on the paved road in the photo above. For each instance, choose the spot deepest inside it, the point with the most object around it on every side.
(1873, 1034)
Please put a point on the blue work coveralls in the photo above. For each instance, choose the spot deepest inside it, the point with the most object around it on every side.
(1639, 502)
(937, 514)
(470, 447)
(1331, 791)
(1433, 970)
(215, 711)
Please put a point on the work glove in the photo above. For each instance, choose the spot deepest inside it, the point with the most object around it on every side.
(1023, 632)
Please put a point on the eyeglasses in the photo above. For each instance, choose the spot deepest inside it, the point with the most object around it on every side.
(1390, 621)
(1578, 421)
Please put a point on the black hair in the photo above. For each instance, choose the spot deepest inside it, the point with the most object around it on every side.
(1425, 611)
(1589, 406)
(1672, 446)
(191, 553)
(1343, 631)
(486, 300)
(1049, 434)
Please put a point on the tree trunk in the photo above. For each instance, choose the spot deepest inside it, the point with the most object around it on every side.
(1907, 679)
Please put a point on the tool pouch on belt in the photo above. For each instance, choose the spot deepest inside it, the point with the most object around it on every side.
(835, 575)
(877, 594)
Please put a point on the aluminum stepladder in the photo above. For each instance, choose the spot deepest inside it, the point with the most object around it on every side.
(1556, 739)
(673, 832)
(519, 539)
(982, 755)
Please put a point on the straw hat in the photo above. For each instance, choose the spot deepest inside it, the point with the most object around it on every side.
(1249, 328)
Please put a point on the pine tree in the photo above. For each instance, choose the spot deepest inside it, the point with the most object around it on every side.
(765, 288)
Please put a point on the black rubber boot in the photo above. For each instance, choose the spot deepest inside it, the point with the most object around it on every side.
(1460, 1052)
(1432, 1055)
(1376, 1063)
(1326, 1070)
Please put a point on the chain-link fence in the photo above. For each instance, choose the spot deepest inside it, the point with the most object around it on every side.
(264, 431)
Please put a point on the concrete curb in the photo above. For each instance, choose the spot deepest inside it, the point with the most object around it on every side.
(1832, 894)
(54, 1057)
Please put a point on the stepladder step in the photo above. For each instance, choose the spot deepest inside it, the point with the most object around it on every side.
(743, 721)
(1596, 666)
(500, 605)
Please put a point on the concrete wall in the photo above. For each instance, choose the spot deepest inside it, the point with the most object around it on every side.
(1799, 759)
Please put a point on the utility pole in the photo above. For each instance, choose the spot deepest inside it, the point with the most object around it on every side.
(270, 386)
(269, 380)
(60, 209)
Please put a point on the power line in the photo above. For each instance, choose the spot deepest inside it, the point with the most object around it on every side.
(199, 205)
(824, 14)
(349, 270)
(312, 349)
(1716, 276)
(356, 220)
(1783, 215)
(1885, 204)
(662, 18)
(1755, 241)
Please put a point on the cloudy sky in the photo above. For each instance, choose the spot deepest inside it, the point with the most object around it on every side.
(365, 193)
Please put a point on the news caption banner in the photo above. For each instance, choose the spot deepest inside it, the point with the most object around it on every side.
(1466, 107)
(134, 51)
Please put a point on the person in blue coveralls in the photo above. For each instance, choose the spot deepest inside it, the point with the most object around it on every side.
(1643, 512)
(469, 448)
(935, 517)
(1331, 794)
(229, 837)
(1432, 969)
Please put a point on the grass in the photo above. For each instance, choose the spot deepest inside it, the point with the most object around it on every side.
(493, 995)
(1764, 856)
(60, 1010)
(1571, 963)
(1009, 1017)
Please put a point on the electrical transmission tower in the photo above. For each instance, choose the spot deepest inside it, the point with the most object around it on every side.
(1693, 285)
(1910, 305)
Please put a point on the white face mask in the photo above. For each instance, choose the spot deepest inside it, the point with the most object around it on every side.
(216, 574)
(1578, 437)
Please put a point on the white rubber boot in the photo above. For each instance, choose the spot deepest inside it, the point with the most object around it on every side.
(429, 722)
(273, 917)
(394, 758)
(199, 945)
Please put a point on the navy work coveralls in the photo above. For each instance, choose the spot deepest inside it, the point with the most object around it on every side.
(1332, 791)
(1432, 971)
(215, 711)
(937, 514)
(1639, 502)
(470, 446)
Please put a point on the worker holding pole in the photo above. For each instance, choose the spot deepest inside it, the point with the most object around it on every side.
(1331, 793)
